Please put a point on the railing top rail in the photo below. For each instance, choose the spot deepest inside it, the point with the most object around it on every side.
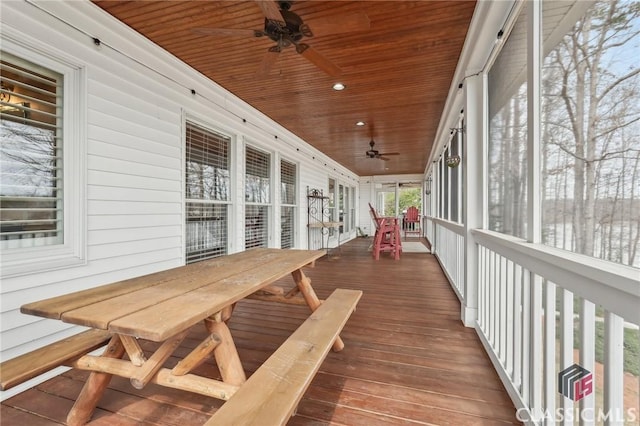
(616, 287)
(452, 226)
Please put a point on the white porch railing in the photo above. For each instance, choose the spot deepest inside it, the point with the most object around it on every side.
(595, 306)
(428, 228)
(448, 246)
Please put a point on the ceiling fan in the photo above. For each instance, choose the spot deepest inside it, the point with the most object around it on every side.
(374, 153)
(286, 28)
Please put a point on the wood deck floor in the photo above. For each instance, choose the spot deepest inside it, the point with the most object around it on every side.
(407, 360)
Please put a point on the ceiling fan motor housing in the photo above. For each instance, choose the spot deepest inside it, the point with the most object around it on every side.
(294, 29)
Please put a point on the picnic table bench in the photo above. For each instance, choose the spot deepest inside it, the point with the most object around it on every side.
(163, 306)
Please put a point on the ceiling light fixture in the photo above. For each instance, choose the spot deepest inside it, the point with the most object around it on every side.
(360, 123)
(339, 86)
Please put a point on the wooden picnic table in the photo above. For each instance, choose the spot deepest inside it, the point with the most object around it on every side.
(162, 306)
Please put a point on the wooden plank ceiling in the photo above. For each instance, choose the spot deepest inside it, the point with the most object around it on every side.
(396, 59)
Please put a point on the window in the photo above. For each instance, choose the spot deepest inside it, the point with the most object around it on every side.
(352, 208)
(332, 205)
(257, 197)
(507, 162)
(590, 131)
(341, 207)
(32, 179)
(42, 124)
(207, 193)
(288, 198)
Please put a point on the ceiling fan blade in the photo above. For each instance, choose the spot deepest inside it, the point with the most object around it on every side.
(389, 153)
(270, 10)
(380, 157)
(318, 60)
(268, 61)
(340, 24)
(238, 32)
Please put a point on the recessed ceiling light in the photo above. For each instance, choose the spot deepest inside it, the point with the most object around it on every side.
(360, 123)
(339, 86)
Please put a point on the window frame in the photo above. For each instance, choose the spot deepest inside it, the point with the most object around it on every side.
(270, 203)
(189, 118)
(73, 249)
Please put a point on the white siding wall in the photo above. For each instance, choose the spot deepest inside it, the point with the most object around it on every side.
(135, 120)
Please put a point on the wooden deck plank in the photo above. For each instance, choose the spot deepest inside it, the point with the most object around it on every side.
(339, 394)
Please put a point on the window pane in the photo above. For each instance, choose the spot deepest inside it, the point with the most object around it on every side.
(341, 207)
(258, 177)
(508, 135)
(207, 164)
(591, 131)
(206, 231)
(287, 182)
(31, 180)
(256, 226)
(286, 226)
(352, 216)
(288, 200)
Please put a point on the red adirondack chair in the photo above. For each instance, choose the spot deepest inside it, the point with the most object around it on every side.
(412, 222)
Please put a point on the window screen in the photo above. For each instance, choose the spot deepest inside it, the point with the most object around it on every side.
(207, 193)
(31, 183)
(288, 201)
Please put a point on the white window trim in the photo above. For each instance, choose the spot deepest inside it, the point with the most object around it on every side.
(230, 203)
(73, 251)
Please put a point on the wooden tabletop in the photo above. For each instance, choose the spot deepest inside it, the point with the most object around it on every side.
(160, 305)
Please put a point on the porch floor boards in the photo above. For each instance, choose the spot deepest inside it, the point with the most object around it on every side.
(408, 359)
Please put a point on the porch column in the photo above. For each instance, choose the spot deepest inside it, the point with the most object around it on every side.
(472, 190)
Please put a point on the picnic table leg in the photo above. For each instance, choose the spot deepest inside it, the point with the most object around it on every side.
(93, 389)
(226, 354)
(304, 284)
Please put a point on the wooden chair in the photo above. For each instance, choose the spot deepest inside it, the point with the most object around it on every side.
(387, 236)
(412, 222)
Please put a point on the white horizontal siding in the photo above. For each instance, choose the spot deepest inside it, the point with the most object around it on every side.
(115, 138)
(134, 163)
(107, 193)
(110, 236)
(99, 177)
(99, 207)
(130, 248)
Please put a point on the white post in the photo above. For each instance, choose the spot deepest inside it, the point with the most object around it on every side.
(534, 22)
(473, 188)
